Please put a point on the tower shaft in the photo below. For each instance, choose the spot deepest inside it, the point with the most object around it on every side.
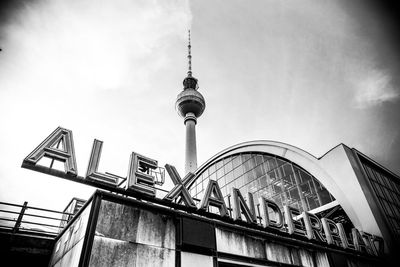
(190, 105)
(190, 146)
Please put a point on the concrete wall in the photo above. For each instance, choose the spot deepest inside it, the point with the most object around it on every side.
(123, 232)
(196, 260)
(268, 250)
(255, 247)
(130, 236)
(68, 248)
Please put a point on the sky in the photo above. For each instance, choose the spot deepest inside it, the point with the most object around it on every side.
(309, 73)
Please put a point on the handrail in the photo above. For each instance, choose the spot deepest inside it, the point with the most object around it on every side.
(35, 208)
(41, 221)
(34, 215)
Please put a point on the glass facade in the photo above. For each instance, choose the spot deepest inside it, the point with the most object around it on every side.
(387, 189)
(264, 175)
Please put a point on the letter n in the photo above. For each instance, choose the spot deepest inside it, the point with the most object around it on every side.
(50, 148)
(239, 206)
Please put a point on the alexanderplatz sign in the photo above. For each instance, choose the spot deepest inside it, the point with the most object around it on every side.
(142, 178)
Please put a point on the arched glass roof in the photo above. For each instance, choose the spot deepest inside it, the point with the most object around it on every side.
(266, 175)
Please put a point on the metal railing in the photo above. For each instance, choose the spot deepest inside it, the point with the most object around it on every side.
(17, 218)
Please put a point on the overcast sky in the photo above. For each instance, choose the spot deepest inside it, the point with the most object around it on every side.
(309, 73)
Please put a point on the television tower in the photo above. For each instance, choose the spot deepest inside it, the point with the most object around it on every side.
(190, 105)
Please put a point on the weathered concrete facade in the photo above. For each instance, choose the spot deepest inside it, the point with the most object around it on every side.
(112, 230)
(129, 236)
(68, 248)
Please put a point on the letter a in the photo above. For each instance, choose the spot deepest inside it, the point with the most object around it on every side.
(213, 197)
(49, 148)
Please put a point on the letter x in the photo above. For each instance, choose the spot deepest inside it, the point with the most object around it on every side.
(180, 189)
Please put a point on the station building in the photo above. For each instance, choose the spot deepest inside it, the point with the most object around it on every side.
(344, 186)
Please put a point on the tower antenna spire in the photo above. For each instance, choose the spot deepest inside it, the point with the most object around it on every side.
(189, 58)
(190, 104)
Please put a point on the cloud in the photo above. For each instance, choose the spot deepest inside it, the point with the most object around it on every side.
(88, 44)
(375, 89)
(87, 65)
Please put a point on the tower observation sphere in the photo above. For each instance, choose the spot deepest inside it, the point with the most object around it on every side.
(190, 104)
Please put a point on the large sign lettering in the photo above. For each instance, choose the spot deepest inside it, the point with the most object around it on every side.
(144, 174)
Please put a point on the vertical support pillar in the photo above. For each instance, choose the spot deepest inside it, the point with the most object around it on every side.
(19, 220)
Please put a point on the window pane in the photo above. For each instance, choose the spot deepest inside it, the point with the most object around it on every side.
(212, 169)
(289, 181)
(247, 177)
(248, 165)
(259, 159)
(286, 169)
(238, 171)
(263, 181)
(305, 189)
(259, 171)
(266, 157)
(294, 194)
(280, 162)
(324, 196)
(236, 161)
(221, 181)
(239, 182)
(272, 163)
(312, 202)
(228, 167)
(246, 157)
(304, 177)
(272, 175)
(220, 172)
(369, 173)
(226, 160)
(219, 164)
(213, 176)
(229, 177)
